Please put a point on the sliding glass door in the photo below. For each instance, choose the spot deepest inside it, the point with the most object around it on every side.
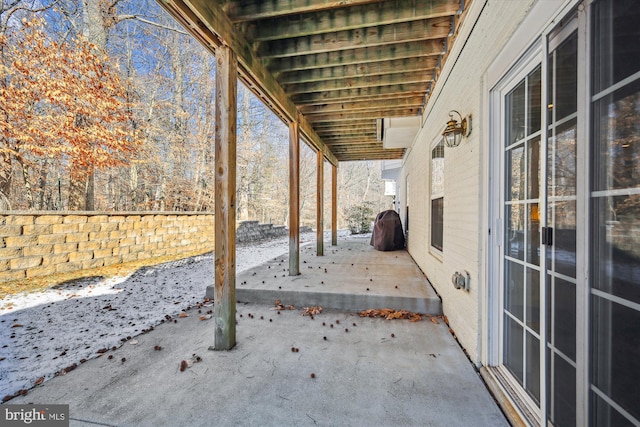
(539, 283)
(568, 209)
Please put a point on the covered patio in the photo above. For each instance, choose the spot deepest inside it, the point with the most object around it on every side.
(350, 79)
(338, 74)
(334, 368)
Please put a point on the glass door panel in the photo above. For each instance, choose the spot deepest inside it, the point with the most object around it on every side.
(521, 257)
(561, 182)
(615, 214)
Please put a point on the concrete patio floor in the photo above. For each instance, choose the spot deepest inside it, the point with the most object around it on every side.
(351, 276)
(336, 369)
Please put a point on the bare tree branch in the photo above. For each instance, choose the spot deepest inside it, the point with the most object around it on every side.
(120, 18)
(15, 7)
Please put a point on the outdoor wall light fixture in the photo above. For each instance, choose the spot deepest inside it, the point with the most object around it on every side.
(455, 131)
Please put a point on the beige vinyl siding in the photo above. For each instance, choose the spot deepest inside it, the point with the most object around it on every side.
(464, 168)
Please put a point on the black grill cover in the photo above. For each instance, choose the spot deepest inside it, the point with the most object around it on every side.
(387, 232)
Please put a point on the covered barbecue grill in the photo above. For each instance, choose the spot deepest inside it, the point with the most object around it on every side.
(387, 232)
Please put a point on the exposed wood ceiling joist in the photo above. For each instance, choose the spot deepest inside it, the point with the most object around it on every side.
(426, 29)
(258, 9)
(357, 56)
(375, 111)
(334, 65)
(379, 93)
(415, 102)
(357, 17)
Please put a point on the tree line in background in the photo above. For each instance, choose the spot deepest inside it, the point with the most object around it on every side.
(109, 105)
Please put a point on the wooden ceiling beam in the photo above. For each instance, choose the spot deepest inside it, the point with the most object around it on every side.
(406, 65)
(379, 99)
(242, 10)
(358, 94)
(329, 136)
(353, 145)
(366, 123)
(374, 113)
(360, 55)
(370, 156)
(345, 132)
(338, 137)
(349, 18)
(415, 102)
(351, 139)
(361, 82)
(380, 150)
(426, 29)
(360, 147)
(212, 27)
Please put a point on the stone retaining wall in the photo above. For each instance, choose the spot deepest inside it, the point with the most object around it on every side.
(45, 243)
(253, 231)
(41, 244)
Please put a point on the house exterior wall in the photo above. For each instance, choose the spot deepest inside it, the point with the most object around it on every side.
(486, 29)
(567, 360)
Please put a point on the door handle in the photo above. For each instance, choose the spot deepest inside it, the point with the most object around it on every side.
(547, 236)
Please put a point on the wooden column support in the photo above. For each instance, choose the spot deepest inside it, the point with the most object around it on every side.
(334, 205)
(225, 199)
(294, 199)
(320, 204)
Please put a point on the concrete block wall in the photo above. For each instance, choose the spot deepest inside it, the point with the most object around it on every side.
(41, 244)
(464, 171)
(253, 231)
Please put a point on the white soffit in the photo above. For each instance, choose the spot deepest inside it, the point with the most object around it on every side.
(399, 132)
(391, 169)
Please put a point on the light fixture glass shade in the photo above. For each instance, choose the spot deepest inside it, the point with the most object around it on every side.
(452, 138)
(452, 134)
(454, 131)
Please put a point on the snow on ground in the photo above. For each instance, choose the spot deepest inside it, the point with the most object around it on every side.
(44, 333)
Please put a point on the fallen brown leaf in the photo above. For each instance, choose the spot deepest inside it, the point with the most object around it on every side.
(391, 314)
(279, 306)
(311, 311)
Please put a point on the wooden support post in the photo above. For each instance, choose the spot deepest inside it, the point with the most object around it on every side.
(320, 204)
(334, 205)
(225, 199)
(294, 199)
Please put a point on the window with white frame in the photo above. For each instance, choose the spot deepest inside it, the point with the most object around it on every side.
(437, 195)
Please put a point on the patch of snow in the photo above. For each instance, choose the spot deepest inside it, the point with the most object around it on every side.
(43, 333)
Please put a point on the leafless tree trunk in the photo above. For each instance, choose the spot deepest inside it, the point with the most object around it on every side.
(27, 183)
